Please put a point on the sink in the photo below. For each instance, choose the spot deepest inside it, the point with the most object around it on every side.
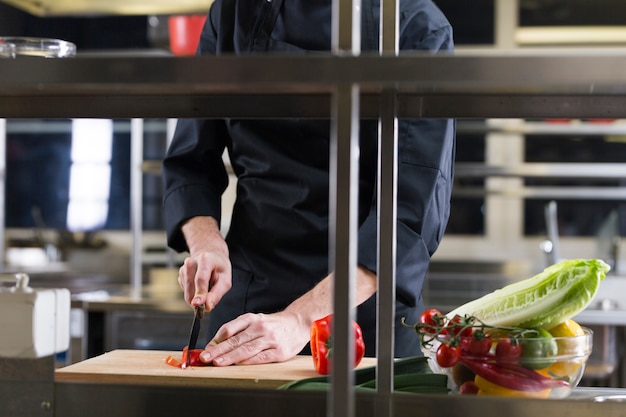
(611, 294)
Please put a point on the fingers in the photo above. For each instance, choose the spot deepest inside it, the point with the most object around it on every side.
(204, 279)
(186, 279)
(212, 280)
(245, 347)
(254, 339)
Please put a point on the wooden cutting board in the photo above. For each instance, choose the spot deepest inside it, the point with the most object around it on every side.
(148, 367)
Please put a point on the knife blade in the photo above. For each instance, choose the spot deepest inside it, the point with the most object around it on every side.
(195, 327)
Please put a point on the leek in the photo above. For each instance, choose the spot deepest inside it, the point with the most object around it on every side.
(554, 295)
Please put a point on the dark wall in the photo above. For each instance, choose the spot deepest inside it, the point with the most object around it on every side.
(472, 20)
(88, 33)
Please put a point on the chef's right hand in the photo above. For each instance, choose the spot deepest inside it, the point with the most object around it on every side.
(206, 274)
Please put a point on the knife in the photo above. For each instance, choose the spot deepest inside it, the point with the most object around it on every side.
(195, 327)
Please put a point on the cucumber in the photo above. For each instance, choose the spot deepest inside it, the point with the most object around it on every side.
(365, 377)
(554, 295)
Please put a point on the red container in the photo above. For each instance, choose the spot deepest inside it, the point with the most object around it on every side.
(184, 31)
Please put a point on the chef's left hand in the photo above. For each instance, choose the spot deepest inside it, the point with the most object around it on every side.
(257, 338)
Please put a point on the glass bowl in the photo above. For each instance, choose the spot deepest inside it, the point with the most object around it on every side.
(7, 50)
(540, 368)
(39, 47)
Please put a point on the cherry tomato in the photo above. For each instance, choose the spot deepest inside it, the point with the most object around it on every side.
(468, 388)
(447, 355)
(508, 350)
(456, 327)
(479, 344)
(431, 318)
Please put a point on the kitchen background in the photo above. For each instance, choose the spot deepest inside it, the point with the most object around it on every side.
(527, 192)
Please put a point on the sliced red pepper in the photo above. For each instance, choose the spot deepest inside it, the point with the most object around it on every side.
(321, 344)
(185, 361)
(194, 357)
(171, 361)
(512, 376)
(189, 358)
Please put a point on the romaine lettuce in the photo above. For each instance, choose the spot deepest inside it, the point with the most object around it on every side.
(556, 294)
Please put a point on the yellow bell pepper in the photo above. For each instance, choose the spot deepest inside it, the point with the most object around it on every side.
(489, 388)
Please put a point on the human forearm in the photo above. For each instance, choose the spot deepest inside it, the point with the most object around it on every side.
(203, 233)
(318, 302)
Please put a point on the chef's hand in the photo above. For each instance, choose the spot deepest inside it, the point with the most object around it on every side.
(206, 274)
(257, 338)
(264, 338)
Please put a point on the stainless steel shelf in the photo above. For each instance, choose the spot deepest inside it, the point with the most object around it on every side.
(482, 85)
(543, 170)
(109, 7)
(547, 128)
(548, 193)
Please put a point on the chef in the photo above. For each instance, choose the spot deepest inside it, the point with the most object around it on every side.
(268, 279)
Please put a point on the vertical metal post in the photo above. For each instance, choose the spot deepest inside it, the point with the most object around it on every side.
(387, 208)
(346, 27)
(389, 30)
(3, 177)
(343, 208)
(136, 194)
(343, 199)
(506, 22)
(387, 232)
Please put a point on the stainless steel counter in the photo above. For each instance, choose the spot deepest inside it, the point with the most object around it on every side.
(122, 298)
(132, 401)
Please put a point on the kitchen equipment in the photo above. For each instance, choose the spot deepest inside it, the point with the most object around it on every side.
(34, 327)
(34, 323)
(148, 367)
(7, 50)
(40, 47)
(184, 31)
(551, 245)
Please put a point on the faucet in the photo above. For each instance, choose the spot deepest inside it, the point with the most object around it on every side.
(550, 246)
(608, 240)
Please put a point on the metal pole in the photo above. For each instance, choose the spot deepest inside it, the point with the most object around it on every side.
(136, 193)
(387, 207)
(343, 208)
(387, 237)
(3, 177)
(506, 23)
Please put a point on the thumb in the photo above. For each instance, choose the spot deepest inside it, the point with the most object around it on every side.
(199, 298)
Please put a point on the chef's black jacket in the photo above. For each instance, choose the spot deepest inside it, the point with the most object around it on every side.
(278, 236)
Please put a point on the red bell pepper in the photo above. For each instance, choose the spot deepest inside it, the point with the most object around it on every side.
(321, 344)
(193, 356)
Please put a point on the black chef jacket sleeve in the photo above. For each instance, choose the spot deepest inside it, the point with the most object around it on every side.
(194, 173)
(195, 176)
(425, 173)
